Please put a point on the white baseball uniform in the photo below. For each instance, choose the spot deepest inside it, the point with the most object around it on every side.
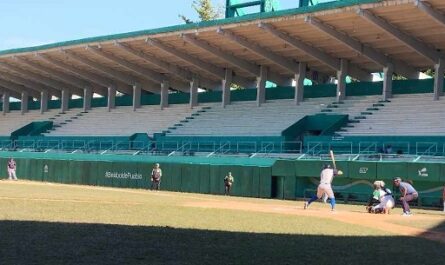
(326, 177)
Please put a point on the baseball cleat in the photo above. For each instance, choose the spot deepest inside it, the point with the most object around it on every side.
(406, 214)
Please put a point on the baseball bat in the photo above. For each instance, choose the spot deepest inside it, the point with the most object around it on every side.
(331, 153)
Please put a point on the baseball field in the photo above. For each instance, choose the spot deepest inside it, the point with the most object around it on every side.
(43, 223)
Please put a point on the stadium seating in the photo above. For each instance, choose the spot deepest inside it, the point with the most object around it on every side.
(405, 114)
(354, 105)
(123, 121)
(246, 119)
(15, 120)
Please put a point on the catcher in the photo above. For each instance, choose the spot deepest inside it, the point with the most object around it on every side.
(385, 198)
(326, 177)
(373, 200)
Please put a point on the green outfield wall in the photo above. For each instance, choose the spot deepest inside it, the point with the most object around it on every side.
(261, 178)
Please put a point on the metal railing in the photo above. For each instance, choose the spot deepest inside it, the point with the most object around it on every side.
(426, 148)
(314, 148)
(369, 151)
(185, 148)
(367, 147)
(223, 148)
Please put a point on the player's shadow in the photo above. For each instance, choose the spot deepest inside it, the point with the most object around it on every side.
(26, 242)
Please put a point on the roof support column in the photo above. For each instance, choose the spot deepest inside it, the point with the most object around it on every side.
(194, 92)
(65, 98)
(341, 80)
(43, 101)
(226, 82)
(5, 102)
(388, 72)
(136, 96)
(299, 83)
(164, 94)
(438, 79)
(87, 97)
(111, 97)
(261, 86)
(24, 103)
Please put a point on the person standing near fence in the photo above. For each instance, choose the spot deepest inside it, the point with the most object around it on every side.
(228, 182)
(156, 175)
(11, 169)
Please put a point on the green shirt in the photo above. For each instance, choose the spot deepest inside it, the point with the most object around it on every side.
(376, 194)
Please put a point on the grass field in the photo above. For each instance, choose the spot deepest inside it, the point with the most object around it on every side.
(60, 224)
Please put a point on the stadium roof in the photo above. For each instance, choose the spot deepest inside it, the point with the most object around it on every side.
(371, 34)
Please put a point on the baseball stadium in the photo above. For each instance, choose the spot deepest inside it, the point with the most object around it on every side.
(239, 116)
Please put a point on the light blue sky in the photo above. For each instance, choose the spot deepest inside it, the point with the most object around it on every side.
(26, 23)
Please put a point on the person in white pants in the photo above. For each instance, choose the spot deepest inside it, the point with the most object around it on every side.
(385, 197)
(11, 169)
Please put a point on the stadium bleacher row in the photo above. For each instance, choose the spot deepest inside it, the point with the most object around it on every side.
(404, 115)
(122, 121)
(409, 114)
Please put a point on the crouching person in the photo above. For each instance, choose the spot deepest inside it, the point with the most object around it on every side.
(373, 200)
(385, 197)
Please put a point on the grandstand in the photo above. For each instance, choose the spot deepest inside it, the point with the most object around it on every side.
(175, 83)
(403, 115)
(15, 120)
(246, 119)
(122, 121)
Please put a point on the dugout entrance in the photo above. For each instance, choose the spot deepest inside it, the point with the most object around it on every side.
(277, 187)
